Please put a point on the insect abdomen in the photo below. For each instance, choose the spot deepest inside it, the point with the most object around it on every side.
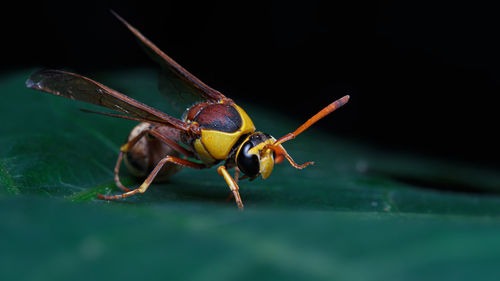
(148, 151)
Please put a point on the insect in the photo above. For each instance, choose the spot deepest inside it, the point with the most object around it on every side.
(212, 130)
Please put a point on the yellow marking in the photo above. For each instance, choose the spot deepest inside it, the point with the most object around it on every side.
(239, 148)
(202, 153)
(218, 144)
(125, 148)
(143, 187)
(246, 123)
(266, 159)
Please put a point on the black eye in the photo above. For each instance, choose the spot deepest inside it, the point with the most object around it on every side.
(248, 163)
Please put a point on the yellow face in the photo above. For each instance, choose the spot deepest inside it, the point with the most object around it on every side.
(266, 158)
(253, 158)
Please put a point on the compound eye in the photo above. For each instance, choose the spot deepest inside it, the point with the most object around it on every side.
(247, 162)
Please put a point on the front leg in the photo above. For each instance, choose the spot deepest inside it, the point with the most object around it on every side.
(232, 185)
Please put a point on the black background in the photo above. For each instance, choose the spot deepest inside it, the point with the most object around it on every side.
(423, 75)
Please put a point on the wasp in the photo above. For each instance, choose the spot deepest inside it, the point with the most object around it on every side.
(212, 129)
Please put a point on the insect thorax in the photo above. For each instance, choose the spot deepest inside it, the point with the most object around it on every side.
(222, 125)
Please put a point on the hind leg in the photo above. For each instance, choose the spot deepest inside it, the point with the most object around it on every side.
(144, 186)
(133, 141)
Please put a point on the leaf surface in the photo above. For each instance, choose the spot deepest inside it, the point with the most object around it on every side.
(357, 214)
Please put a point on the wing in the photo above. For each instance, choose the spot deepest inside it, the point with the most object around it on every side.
(74, 86)
(175, 79)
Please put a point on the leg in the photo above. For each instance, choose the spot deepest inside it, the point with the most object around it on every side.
(127, 146)
(117, 170)
(236, 180)
(144, 186)
(236, 174)
(232, 185)
(124, 149)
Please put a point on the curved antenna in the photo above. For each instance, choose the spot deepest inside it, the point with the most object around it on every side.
(281, 152)
(318, 116)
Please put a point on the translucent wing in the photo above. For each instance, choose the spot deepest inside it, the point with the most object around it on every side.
(175, 81)
(74, 86)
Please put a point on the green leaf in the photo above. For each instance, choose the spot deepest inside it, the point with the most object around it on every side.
(357, 214)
